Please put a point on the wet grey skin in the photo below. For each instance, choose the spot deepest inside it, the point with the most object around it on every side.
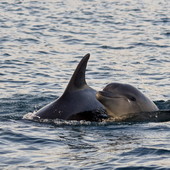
(78, 102)
(120, 100)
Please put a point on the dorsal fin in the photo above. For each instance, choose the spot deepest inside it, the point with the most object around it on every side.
(77, 80)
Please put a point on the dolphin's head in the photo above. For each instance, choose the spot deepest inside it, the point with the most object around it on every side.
(122, 99)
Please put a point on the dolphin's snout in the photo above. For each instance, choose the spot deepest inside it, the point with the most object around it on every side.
(98, 95)
(103, 94)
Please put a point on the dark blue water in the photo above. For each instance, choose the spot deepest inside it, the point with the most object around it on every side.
(41, 43)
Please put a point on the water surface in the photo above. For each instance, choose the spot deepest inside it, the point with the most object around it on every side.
(41, 42)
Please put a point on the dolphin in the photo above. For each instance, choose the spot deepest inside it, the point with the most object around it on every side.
(122, 100)
(78, 102)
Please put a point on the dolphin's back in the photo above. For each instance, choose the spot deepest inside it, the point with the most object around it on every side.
(82, 105)
(77, 99)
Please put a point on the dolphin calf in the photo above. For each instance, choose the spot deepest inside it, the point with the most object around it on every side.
(78, 102)
(121, 100)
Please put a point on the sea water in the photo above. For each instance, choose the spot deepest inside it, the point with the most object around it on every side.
(41, 43)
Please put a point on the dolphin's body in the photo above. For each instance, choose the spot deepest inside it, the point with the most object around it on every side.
(78, 101)
(121, 100)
